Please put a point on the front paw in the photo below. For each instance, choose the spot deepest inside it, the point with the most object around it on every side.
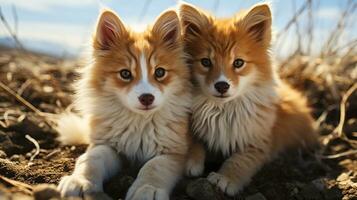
(76, 185)
(225, 184)
(146, 192)
(194, 168)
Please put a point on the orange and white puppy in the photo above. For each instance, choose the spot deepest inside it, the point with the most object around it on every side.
(241, 109)
(136, 95)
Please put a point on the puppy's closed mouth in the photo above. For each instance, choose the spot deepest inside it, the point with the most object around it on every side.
(221, 96)
(147, 108)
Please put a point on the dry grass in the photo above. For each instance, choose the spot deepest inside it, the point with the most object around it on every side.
(37, 86)
(329, 78)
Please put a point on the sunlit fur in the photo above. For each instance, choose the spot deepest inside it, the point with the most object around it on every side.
(259, 115)
(118, 124)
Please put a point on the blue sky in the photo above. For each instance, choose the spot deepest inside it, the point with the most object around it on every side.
(69, 23)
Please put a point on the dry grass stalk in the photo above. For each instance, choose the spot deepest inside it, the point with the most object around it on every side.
(31, 139)
(23, 187)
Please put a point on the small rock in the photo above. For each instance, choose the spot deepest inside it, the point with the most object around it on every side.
(257, 196)
(353, 191)
(2, 154)
(15, 158)
(343, 177)
(47, 89)
(45, 191)
(28, 155)
(201, 189)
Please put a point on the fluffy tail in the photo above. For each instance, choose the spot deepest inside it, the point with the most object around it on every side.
(295, 125)
(72, 129)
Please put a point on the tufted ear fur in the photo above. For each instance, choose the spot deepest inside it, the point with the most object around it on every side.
(109, 31)
(167, 28)
(257, 22)
(194, 21)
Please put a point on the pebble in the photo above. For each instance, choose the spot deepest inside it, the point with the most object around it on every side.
(47, 89)
(2, 154)
(201, 189)
(343, 177)
(15, 158)
(28, 155)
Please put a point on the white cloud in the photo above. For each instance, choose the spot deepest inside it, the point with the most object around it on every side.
(46, 5)
(71, 36)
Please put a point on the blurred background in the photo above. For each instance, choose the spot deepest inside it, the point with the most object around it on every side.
(62, 28)
(314, 48)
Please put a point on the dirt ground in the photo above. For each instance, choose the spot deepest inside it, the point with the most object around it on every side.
(327, 172)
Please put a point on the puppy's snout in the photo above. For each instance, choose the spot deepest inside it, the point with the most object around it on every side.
(146, 99)
(221, 87)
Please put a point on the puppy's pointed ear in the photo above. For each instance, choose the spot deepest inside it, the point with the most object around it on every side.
(109, 31)
(167, 28)
(194, 21)
(257, 22)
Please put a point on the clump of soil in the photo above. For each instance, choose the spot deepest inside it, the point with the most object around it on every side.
(328, 172)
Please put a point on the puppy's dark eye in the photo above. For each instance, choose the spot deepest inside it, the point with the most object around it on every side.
(238, 63)
(125, 74)
(206, 62)
(160, 72)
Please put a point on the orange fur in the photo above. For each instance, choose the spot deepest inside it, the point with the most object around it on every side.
(125, 54)
(217, 41)
(120, 122)
(260, 115)
(294, 124)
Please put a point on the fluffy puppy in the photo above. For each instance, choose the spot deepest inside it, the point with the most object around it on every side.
(241, 109)
(136, 98)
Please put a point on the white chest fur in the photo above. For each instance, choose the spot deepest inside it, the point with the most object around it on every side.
(231, 126)
(140, 139)
(137, 136)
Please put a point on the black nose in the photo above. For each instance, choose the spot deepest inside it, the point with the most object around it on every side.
(146, 99)
(222, 87)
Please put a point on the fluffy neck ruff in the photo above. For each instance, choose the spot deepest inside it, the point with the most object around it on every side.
(231, 126)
